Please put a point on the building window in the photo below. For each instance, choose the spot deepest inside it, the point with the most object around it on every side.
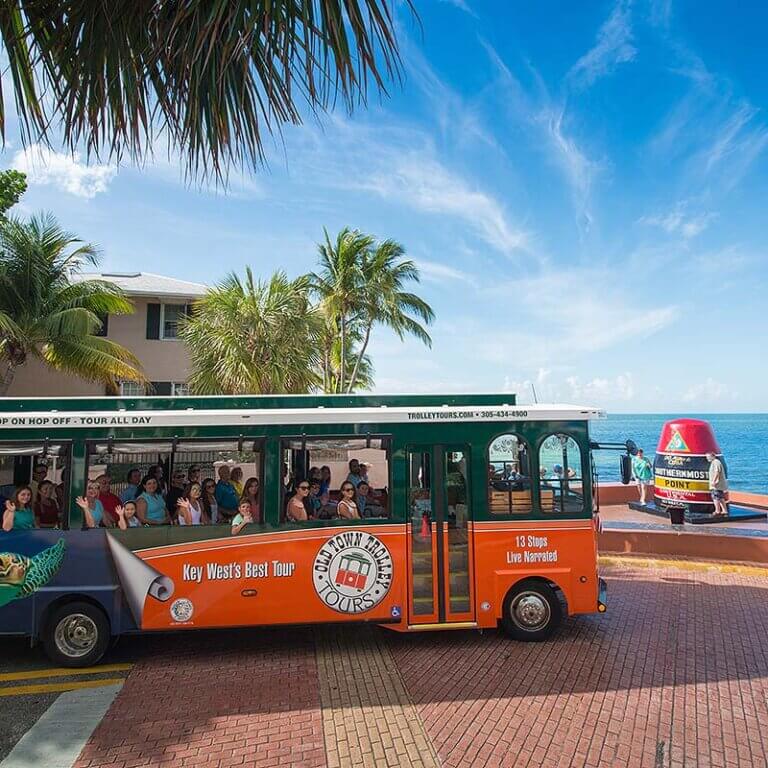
(170, 316)
(560, 479)
(179, 389)
(132, 389)
(509, 476)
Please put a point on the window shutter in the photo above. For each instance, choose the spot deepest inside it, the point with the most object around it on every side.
(153, 321)
(161, 388)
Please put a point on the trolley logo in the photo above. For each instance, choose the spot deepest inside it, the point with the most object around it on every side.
(676, 443)
(182, 609)
(352, 572)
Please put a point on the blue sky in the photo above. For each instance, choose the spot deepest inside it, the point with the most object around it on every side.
(583, 186)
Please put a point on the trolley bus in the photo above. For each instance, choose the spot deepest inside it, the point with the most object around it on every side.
(458, 511)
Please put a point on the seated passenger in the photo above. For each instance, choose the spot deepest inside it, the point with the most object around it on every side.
(242, 517)
(46, 506)
(297, 512)
(347, 508)
(314, 503)
(325, 482)
(39, 473)
(364, 467)
(190, 508)
(193, 474)
(236, 478)
(157, 471)
(18, 514)
(315, 474)
(251, 494)
(210, 506)
(93, 510)
(175, 492)
(108, 500)
(226, 498)
(133, 478)
(150, 505)
(126, 516)
(355, 473)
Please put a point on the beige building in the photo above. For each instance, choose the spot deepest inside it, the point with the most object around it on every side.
(150, 333)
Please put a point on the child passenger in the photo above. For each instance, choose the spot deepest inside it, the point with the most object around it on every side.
(242, 518)
(126, 516)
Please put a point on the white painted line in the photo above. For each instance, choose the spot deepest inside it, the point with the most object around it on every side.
(58, 737)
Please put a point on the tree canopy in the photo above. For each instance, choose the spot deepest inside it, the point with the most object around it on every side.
(213, 76)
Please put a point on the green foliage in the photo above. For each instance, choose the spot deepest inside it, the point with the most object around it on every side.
(360, 285)
(254, 337)
(212, 75)
(13, 184)
(45, 313)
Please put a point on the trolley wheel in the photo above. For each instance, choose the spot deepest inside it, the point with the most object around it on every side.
(76, 635)
(532, 611)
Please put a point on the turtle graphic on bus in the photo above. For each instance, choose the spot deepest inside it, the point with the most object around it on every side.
(353, 571)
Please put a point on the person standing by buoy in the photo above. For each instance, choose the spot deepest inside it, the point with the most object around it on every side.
(718, 484)
(643, 472)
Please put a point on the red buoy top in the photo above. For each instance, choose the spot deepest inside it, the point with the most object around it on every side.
(688, 436)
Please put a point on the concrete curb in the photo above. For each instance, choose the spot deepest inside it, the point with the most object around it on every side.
(58, 737)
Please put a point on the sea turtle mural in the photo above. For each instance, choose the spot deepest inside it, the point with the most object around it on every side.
(20, 576)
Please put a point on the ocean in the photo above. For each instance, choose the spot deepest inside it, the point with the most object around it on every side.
(743, 439)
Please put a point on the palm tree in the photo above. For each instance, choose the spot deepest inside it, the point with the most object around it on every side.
(382, 300)
(47, 313)
(337, 286)
(212, 75)
(254, 337)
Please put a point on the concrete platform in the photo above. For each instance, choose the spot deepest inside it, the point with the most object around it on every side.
(735, 514)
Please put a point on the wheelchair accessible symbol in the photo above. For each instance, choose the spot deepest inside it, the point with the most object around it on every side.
(395, 612)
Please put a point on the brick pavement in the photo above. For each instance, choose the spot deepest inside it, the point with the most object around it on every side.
(673, 676)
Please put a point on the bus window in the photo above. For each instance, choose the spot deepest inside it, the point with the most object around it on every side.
(509, 476)
(560, 481)
(121, 466)
(43, 468)
(314, 471)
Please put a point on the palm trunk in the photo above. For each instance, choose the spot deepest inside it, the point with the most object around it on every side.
(359, 360)
(326, 371)
(7, 378)
(342, 362)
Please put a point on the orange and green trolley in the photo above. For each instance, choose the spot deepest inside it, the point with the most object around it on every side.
(473, 512)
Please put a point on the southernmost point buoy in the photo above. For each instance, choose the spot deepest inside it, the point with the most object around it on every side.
(681, 468)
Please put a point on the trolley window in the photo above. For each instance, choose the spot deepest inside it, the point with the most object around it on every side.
(509, 476)
(561, 484)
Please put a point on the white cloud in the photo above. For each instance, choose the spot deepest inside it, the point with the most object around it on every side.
(424, 183)
(462, 5)
(66, 172)
(677, 221)
(613, 47)
(601, 390)
(708, 392)
(435, 272)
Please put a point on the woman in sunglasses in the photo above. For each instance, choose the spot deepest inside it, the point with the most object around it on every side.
(297, 511)
(347, 508)
(251, 494)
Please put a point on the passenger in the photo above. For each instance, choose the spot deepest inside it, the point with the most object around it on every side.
(314, 503)
(354, 476)
(361, 498)
(193, 474)
(315, 474)
(18, 514)
(236, 478)
(157, 471)
(133, 480)
(175, 492)
(242, 517)
(364, 467)
(226, 498)
(39, 473)
(150, 505)
(571, 473)
(297, 512)
(46, 506)
(93, 509)
(108, 500)
(325, 482)
(347, 508)
(210, 506)
(251, 494)
(190, 507)
(126, 516)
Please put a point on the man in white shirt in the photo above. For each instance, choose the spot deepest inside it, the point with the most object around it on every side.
(718, 484)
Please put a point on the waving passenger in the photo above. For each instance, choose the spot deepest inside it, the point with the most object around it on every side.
(93, 509)
(18, 514)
